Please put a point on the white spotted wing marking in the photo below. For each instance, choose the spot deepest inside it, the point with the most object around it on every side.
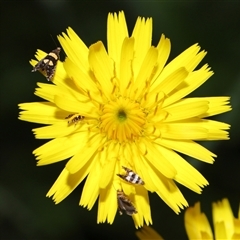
(48, 64)
(131, 176)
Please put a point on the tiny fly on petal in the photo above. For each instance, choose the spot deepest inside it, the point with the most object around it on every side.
(74, 118)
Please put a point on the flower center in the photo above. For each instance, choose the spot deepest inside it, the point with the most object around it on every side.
(122, 120)
(122, 116)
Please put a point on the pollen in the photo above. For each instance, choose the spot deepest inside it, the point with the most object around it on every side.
(122, 120)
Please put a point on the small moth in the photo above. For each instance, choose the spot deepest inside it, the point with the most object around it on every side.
(124, 204)
(131, 176)
(48, 64)
(74, 118)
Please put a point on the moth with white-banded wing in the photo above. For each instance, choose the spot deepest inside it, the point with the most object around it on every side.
(47, 65)
(131, 176)
(124, 204)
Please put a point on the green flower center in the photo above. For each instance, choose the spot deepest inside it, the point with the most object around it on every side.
(122, 120)
(122, 116)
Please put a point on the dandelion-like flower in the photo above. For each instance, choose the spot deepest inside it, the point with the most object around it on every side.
(148, 233)
(125, 107)
(197, 226)
(225, 225)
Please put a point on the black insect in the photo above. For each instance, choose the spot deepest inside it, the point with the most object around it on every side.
(124, 204)
(47, 65)
(131, 176)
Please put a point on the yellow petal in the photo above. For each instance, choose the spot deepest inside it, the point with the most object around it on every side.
(70, 105)
(217, 105)
(142, 33)
(196, 224)
(67, 182)
(116, 33)
(188, 59)
(47, 91)
(88, 148)
(153, 155)
(145, 74)
(132, 151)
(39, 56)
(107, 205)
(58, 130)
(41, 112)
(90, 190)
(190, 83)
(164, 47)
(223, 219)
(58, 149)
(189, 148)
(81, 77)
(108, 157)
(126, 72)
(215, 128)
(184, 109)
(183, 131)
(102, 66)
(142, 205)
(75, 48)
(169, 193)
(169, 83)
(187, 175)
(147, 232)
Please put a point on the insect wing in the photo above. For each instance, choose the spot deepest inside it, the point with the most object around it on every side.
(131, 176)
(125, 204)
(120, 206)
(47, 65)
(134, 178)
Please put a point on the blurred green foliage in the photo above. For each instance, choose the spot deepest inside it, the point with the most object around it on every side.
(29, 25)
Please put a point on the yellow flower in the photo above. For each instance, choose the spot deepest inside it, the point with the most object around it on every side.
(225, 225)
(129, 110)
(148, 233)
(197, 226)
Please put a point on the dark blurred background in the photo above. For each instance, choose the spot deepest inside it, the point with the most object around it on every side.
(25, 212)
